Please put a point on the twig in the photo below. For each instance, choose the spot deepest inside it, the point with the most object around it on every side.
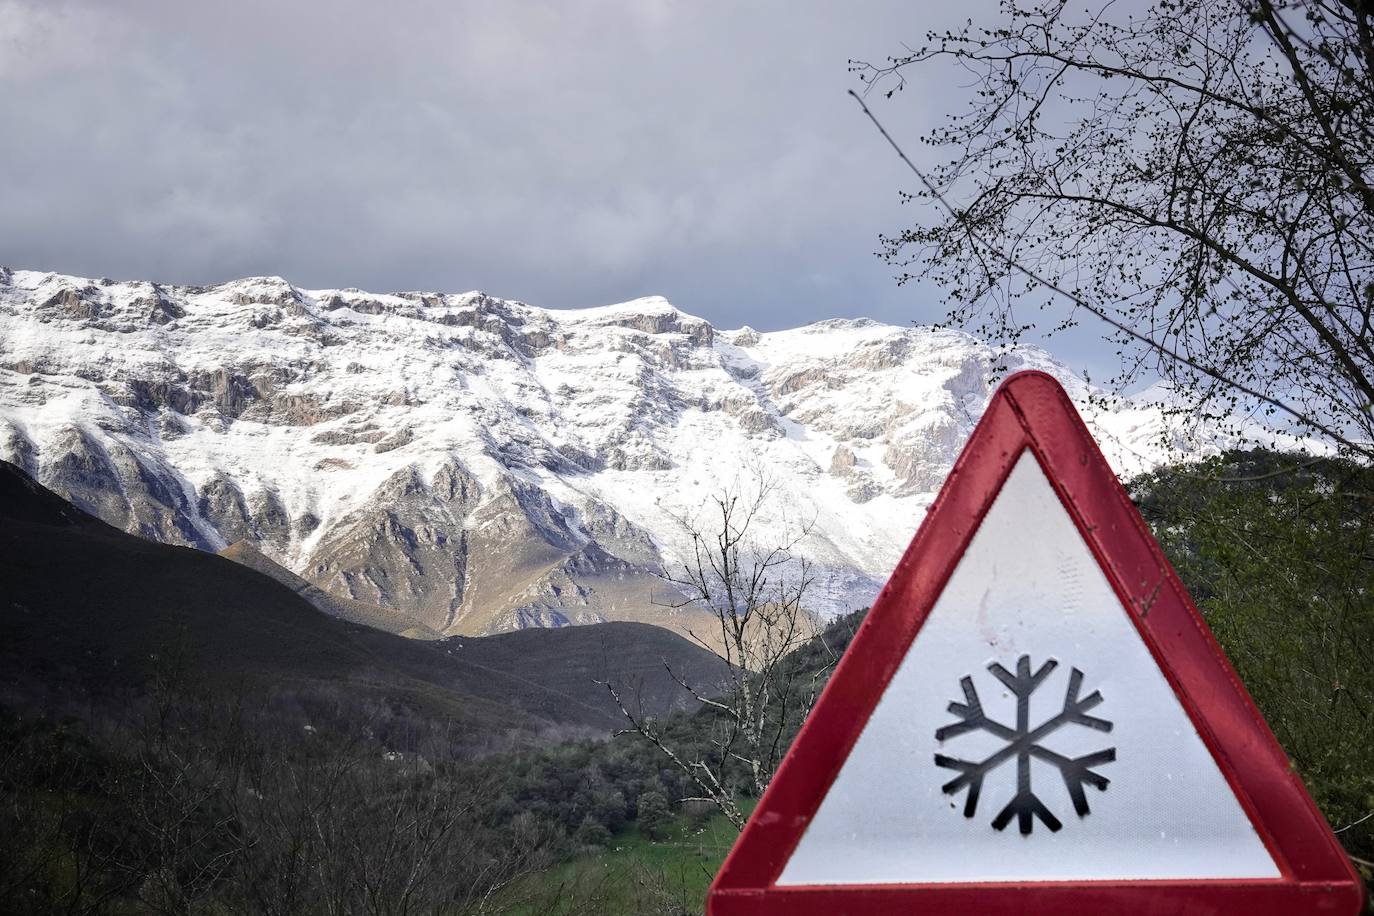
(1355, 823)
(1034, 277)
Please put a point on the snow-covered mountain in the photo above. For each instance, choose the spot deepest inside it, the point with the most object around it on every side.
(475, 464)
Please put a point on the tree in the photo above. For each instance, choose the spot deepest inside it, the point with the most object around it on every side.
(592, 832)
(1195, 176)
(1281, 562)
(654, 814)
(755, 587)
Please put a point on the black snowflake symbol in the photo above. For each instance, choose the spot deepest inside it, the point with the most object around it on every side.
(1023, 744)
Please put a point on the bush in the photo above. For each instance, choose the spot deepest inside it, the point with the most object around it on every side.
(699, 812)
(592, 832)
(1278, 553)
(654, 815)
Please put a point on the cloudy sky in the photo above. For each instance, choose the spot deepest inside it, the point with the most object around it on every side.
(562, 153)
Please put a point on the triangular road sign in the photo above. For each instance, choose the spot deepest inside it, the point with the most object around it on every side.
(1034, 719)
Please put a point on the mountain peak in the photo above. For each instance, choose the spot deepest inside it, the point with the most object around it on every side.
(843, 324)
(473, 463)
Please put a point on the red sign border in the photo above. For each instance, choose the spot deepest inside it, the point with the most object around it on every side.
(1030, 410)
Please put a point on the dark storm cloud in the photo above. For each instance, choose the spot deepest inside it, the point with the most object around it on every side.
(566, 154)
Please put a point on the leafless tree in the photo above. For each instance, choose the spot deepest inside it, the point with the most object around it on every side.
(755, 585)
(1195, 175)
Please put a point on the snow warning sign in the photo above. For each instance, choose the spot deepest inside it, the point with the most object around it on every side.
(1034, 719)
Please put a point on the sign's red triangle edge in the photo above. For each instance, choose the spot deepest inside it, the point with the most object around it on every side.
(1030, 410)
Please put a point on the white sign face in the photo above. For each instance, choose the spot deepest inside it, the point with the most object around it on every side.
(1028, 735)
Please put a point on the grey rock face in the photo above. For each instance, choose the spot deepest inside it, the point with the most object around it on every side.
(159, 502)
(860, 485)
(222, 504)
(405, 548)
(842, 462)
(109, 480)
(381, 618)
(18, 449)
(921, 463)
(158, 308)
(76, 304)
(400, 437)
(152, 395)
(270, 521)
(619, 536)
(83, 474)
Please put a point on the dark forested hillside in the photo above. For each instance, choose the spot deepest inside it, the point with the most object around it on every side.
(178, 731)
(92, 614)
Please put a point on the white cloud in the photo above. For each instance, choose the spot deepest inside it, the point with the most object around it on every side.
(564, 153)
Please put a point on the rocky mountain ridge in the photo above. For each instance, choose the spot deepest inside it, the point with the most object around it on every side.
(477, 464)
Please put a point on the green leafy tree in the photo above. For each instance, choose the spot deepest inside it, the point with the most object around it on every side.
(654, 814)
(592, 832)
(1280, 558)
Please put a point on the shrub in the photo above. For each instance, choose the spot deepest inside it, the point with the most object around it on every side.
(654, 814)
